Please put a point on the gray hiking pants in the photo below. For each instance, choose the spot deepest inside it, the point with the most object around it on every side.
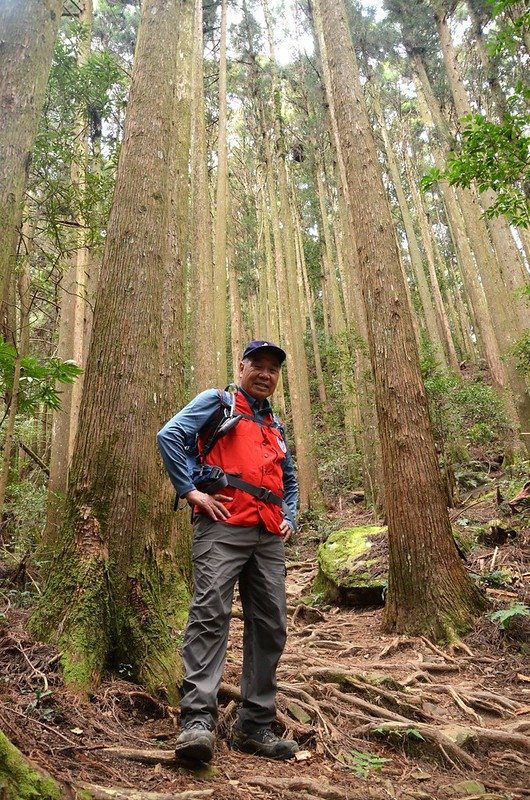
(222, 555)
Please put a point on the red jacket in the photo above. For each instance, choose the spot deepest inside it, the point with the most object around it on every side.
(254, 451)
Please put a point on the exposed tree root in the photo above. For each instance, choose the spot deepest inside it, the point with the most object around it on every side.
(317, 789)
(116, 793)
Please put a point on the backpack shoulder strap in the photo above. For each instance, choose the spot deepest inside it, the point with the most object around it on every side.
(211, 427)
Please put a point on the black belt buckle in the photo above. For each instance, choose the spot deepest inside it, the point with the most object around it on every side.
(264, 494)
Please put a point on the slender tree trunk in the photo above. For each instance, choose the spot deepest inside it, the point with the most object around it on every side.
(236, 328)
(271, 296)
(429, 590)
(71, 342)
(473, 245)
(349, 269)
(113, 592)
(338, 328)
(507, 255)
(426, 236)
(414, 251)
(309, 303)
(221, 212)
(202, 302)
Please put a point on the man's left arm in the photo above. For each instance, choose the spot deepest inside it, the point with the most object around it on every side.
(290, 492)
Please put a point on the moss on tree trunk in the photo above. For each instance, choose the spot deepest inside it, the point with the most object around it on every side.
(20, 780)
(115, 595)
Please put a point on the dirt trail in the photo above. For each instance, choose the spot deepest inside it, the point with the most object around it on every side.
(376, 716)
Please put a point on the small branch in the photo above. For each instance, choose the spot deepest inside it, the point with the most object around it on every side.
(143, 756)
(37, 459)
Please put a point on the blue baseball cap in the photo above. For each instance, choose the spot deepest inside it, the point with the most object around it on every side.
(259, 346)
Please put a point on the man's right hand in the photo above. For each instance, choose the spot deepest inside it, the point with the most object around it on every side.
(209, 504)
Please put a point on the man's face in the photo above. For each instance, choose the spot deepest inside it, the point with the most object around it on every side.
(258, 375)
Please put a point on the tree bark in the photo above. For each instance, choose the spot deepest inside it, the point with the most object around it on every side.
(113, 593)
(429, 590)
(221, 212)
(28, 32)
(202, 300)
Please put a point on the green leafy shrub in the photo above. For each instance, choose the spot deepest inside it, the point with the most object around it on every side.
(465, 412)
(24, 515)
(506, 616)
(38, 379)
(521, 353)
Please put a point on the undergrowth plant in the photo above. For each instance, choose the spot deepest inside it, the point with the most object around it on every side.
(363, 763)
(466, 413)
(506, 616)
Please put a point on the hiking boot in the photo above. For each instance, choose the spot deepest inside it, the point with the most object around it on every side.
(196, 741)
(264, 742)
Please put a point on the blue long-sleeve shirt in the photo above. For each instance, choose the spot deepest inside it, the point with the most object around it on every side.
(177, 443)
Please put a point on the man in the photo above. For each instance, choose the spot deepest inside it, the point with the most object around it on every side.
(242, 487)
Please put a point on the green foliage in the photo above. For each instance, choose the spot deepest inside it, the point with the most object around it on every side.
(496, 578)
(506, 615)
(38, 379)
(496, 156)
(465, 412)
(491, 154)
(24, 513)
(362, 763)
(80, 92)
(515, 22)
(521, 352)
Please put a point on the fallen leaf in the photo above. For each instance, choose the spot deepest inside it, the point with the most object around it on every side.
(77, 731)
(302, 755)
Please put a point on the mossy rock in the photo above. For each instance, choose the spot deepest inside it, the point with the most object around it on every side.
(353, 566)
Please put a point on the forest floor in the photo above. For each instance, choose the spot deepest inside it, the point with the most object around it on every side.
(377, 716)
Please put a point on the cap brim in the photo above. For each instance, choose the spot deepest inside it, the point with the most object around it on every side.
(276, 351)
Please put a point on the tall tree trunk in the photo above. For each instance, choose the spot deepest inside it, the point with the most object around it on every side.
(338, 328)
(202, 302)
(28, 31)
(113, 592)
(309, 308)
(349, 269)
(221, 212)
(429, 590)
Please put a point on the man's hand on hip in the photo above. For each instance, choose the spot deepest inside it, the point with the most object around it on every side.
(285, 530)
(209, 504)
